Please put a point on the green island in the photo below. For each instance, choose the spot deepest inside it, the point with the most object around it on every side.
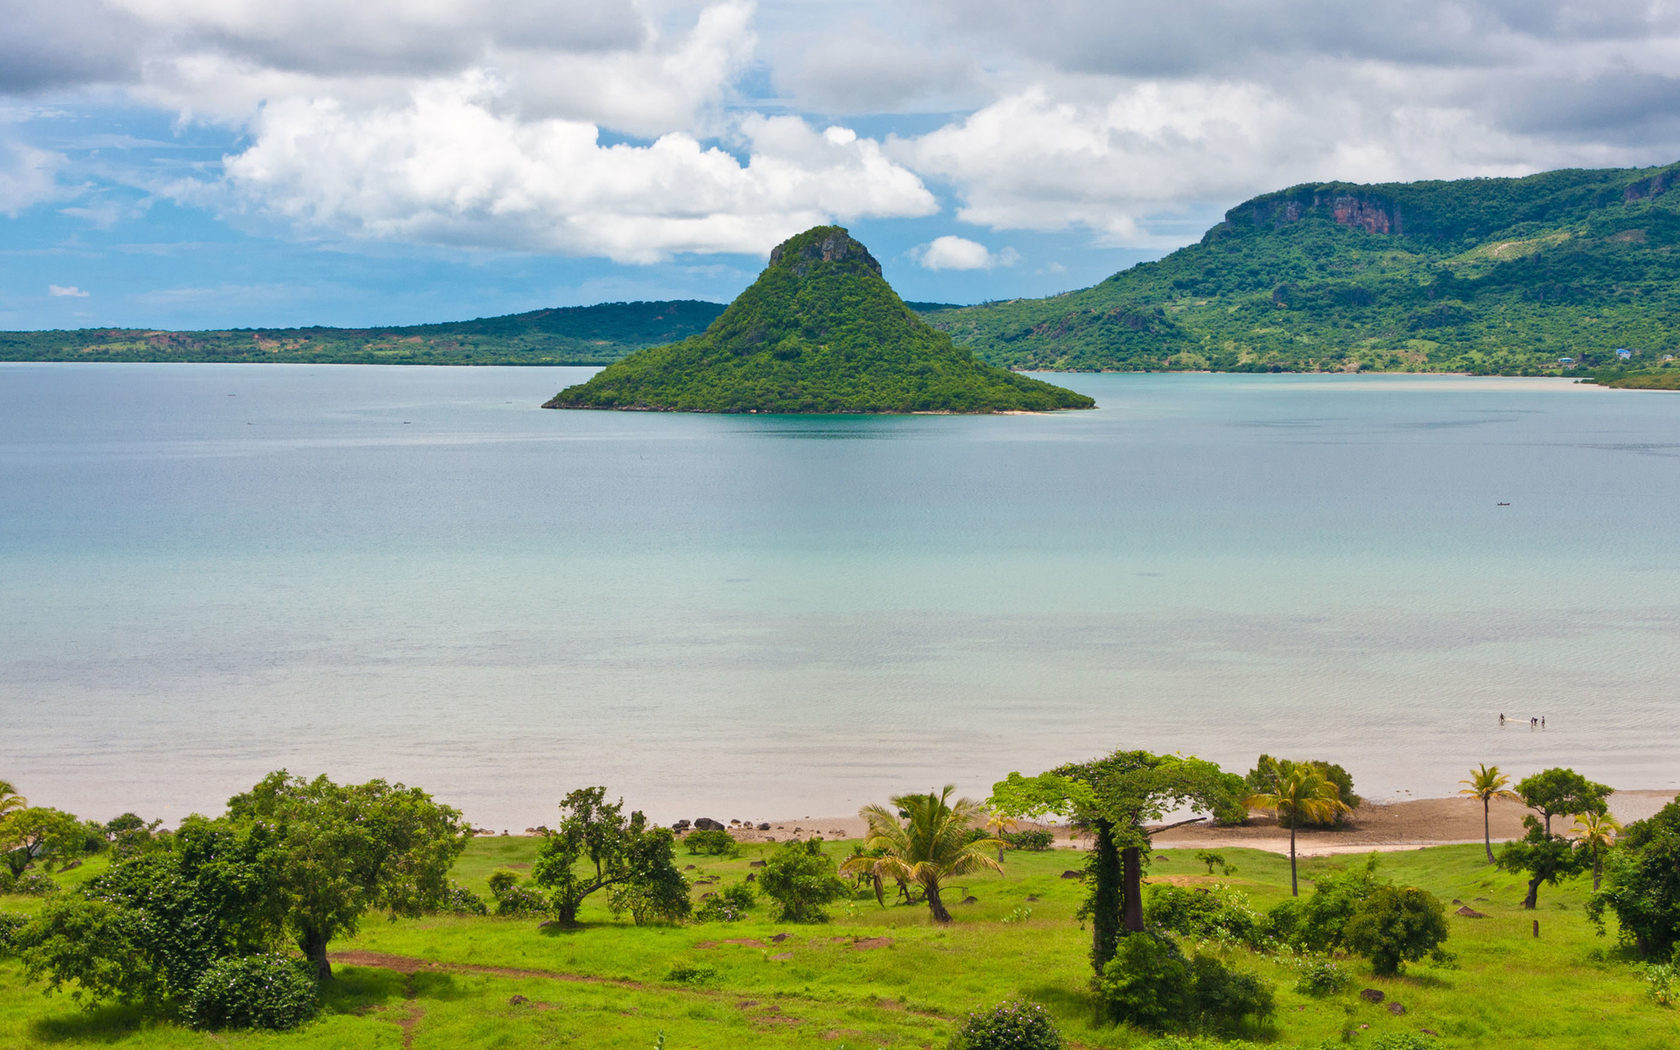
(315, 914)
(571, 335)
(819, 331)
(1550, 274)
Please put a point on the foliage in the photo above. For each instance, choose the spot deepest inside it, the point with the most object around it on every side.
(1008, 1026)
(802, 880)
(1031, 840)
(273, 992)
(1403, 1041)
(129, 834)
(10, 800)
(34, 832)
(1321, 976)
(1594, 834)
(1214, 860)
(1318, 922)
(512, 899)
(1487, 783)
(1662, 983)
(93, 947)
(1481, 276)
(1543, 857)
(614, 851)
(819, 331)
(729, 904)
(690, 974)
(1642, 884)
(10, 923)
(341, 850)
(577, 335)
(1554, 791)
(458, 900)
(1299, 793)
(712, 843)
(1394, 926)
(1151, 984)
(931, 845)
(32, 884)
(1268, 771)
(1219, 913)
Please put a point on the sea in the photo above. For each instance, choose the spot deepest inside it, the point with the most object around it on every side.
(208, 572)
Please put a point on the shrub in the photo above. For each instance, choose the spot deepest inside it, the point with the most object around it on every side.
(729, 905)
(1662, 983)
(712, 843)
(1394, 926)
(1321, 976)
(801, 879)
(1031, 840)
(1214, 860)
(1317, 923)
(34, 885)
(459, 900)
(1403, 1041)
(10, 924)
(695, 974)
(1219, 913)
(253, 991)
(1151, 984)
(1008, 1026)
(514, 900)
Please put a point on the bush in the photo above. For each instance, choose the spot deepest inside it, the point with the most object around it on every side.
(1031, 840)
(34, 885)
(10, 924)
(1394, 926)
(1008, 1026)
(729, 905)
(1321, 976)
(1151, 984)
(1317, 923)
(459, 900)
(514, 900)
(1662, 983)
(1223, 914)
(1403, 1041)
(253, 991)
(698, 973)
(1214, 860)
(712, 843)
(801, 879)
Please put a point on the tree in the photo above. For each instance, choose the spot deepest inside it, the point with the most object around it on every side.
(1596, 833)
(1394, 926)
(930, 846)
(35, 831)
(1642, 884)
(615, 851)
(1543, 857)
(1487, 783)
(1300, 792)
(1265, 774)
(10, 800)
(1553, 791)
(801, 879)
(338, 851)
(1113, 798)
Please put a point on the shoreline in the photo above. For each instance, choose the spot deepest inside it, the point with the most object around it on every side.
(1375, 827)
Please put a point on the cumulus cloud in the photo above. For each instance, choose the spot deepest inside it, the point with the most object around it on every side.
(64, 290)
(28, 176)
(451, 168)
(960, 253)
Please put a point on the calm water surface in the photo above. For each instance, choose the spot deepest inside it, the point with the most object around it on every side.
(208, 572)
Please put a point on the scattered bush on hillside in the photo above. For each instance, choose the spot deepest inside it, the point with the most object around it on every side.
(1394, 926)
(10, 923)
(729, 905)
(275, 992)
(458, 900)
(514, 900)
(802, 880)
(34, 885)
(1008, 1026)
(1218, 913)
(1031, 840)
(1320, 975)
(712, 843)
(1152, 984)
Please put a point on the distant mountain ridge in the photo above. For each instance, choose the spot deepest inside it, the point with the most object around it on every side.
(1473, 275)
(568, 335)
(819, 331)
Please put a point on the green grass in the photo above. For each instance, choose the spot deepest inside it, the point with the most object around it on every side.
(611, 984)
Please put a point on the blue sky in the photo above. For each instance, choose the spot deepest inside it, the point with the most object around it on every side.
(216, 163)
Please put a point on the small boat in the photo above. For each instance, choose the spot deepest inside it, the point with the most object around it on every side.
(1502, 504)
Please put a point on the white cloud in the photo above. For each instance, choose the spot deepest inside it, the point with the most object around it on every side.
(28, 176)
(453, 167)
(70, 290)
(960, 253)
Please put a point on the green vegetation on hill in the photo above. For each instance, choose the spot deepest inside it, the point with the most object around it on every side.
(819, 331)
(574, 335)
(1476, 275)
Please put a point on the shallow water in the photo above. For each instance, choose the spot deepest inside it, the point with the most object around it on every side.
(208, 572)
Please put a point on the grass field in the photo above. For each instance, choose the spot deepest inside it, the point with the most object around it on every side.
(889, 977)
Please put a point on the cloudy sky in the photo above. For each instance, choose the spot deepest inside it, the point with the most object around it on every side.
(202, 163)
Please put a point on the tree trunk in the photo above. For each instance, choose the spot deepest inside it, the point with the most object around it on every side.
(1131, 869)
(935, 905)
(1598, 869)
(1533, 898)
(565, 910)
(1294, 885)
(1105, 894)
(313, 944)
(1487, 832)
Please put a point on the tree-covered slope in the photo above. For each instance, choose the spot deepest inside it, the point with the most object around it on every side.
(576, 335)
(819, 331)
(1476, 275)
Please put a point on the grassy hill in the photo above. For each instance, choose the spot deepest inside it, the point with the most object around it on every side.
(819, 331)
(575, 335)
(1475, 275)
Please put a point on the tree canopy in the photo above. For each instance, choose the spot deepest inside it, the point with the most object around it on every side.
(1554, 791)
(637, 861)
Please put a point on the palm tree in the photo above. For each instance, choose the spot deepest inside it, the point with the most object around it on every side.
(998, 824)
(1300, 791)
(1595, 833)
(931, 845)
(1487, 783)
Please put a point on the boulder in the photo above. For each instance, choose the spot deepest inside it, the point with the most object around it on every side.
(1470, 913)
(1371, 995)
(708, 824)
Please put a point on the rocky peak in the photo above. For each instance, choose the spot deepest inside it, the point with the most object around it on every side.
(825, 244)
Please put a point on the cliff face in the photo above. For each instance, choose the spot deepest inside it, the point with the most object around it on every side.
(1373, 213)
(822, 245)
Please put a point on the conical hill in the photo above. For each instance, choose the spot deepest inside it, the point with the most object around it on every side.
(819, 331)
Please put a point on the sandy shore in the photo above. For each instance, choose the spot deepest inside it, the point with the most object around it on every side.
(1377, 826)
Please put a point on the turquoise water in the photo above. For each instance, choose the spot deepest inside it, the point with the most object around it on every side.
(208, 572)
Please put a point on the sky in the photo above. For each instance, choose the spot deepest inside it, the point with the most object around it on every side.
(218, 163)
